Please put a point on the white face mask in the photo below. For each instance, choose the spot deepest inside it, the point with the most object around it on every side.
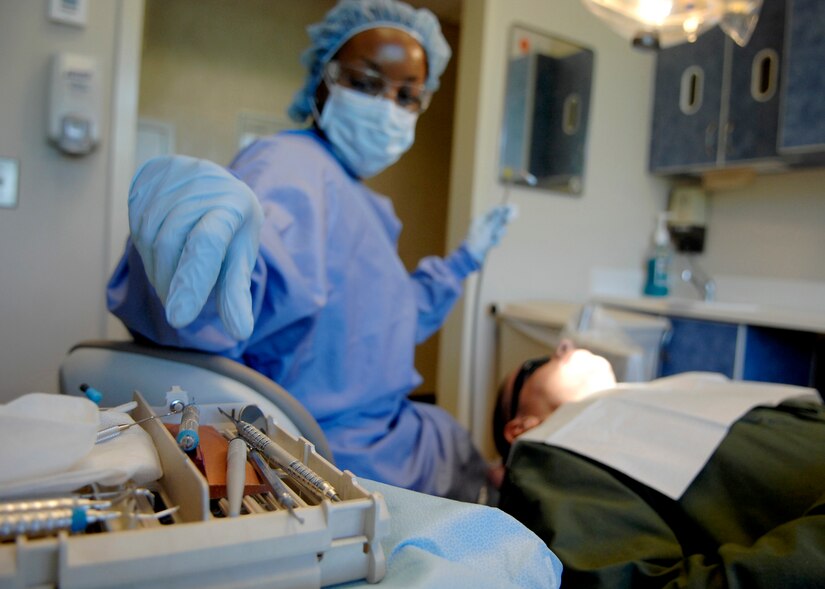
(370, 133)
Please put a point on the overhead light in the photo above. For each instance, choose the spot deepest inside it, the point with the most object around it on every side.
(653, 24)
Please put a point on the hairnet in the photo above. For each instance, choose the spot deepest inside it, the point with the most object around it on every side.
(350, 17)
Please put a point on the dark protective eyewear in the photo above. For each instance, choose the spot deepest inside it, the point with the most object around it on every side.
(528, 368)
(409, 96)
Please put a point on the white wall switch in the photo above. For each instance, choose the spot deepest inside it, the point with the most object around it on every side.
(69, 12)
(8, 182)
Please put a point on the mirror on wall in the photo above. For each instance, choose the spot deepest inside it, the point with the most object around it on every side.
(546, 107)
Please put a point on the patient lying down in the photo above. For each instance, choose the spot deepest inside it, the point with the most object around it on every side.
(528, 395)
(693, 480)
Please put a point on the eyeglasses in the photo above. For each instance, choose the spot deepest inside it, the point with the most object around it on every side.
(528, 368)
(409, 96)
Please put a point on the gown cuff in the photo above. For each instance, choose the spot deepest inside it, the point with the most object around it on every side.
(461, 262)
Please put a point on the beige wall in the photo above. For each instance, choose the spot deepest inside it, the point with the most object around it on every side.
(773, 228)
(206, 61)
(54, 245)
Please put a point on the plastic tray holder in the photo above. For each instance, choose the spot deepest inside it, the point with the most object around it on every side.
(338, 542)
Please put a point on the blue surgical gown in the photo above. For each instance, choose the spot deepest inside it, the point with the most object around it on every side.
(337, 317)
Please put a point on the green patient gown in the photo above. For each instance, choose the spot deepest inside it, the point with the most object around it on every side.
(753, 517)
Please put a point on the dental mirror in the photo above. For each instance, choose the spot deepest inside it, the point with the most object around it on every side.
(253, 415)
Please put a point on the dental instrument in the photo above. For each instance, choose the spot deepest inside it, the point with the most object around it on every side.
(188, 433)
(282, 495)
(107, 433)
(38, 523)
(235, 475)
(509, 177)
(94, 395)
(74, 519)
(253, 506)
(32, 505)
(97, 500)
(293, 467)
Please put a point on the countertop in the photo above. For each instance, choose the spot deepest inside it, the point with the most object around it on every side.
(558, 313)
(725, 312)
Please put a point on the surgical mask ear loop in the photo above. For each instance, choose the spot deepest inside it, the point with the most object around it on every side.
(313, 104)
(316, 114)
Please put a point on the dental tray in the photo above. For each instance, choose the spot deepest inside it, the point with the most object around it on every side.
(336, 543)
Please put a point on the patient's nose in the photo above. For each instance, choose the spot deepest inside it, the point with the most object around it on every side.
(565, 347)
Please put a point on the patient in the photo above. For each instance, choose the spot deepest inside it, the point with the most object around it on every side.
(749, 513)
(528, 395)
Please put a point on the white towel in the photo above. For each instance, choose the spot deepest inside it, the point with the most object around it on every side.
(47, 446)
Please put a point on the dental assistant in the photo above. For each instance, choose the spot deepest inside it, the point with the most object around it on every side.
(288, 263)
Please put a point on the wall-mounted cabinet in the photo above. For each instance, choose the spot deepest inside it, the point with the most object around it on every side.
(803, 101)
(717, 104)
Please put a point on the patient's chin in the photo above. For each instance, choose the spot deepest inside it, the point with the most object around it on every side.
(599, 381)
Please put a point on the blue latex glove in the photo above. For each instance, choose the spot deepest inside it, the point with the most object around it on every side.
(486, 231)
(196, 227)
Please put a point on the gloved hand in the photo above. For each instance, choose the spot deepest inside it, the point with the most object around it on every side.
(487, 231)
(196, 227)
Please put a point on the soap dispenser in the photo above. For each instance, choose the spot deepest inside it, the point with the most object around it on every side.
(658, 260)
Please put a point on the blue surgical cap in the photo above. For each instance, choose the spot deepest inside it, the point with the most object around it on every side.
(350, 17)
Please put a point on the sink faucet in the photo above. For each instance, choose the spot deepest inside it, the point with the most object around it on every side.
(699, 279)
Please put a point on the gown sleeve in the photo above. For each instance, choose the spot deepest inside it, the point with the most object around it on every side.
(438, 284)
(288, 281)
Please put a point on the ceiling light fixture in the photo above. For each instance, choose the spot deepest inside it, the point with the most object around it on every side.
(654, 24)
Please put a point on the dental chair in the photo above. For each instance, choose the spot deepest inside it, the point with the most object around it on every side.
(118, 368)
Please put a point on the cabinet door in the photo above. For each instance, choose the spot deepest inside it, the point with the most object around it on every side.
(780, 355)
(803, 106)
(687, 104)
(752, 112)
(699, 345)
(560, 116)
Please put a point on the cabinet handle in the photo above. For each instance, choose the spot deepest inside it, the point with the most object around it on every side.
(710, 139)
(692, 90)
(764, 75)
(571, 118)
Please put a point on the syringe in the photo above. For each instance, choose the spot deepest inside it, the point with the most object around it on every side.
(188, 433)
(293, 467)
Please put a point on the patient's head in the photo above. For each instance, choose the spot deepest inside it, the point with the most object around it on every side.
(529, 394)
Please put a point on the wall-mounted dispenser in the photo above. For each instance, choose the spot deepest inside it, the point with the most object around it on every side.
(687, 218)
(74, 103)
